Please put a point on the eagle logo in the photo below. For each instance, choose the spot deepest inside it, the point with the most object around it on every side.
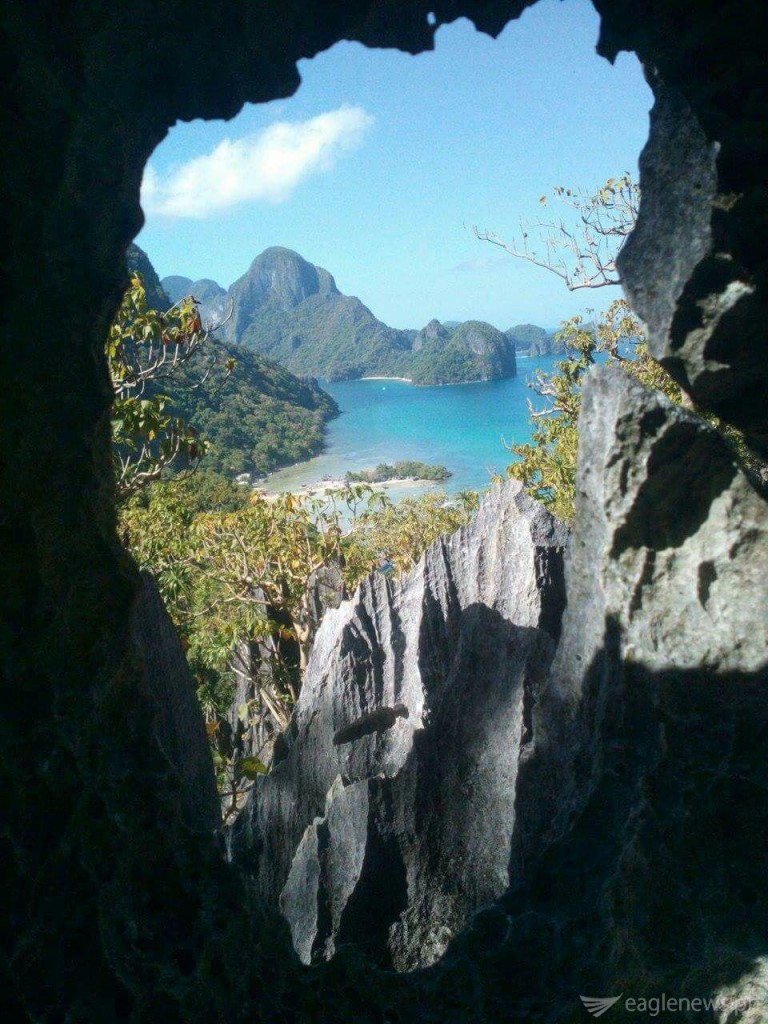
(597, 1005)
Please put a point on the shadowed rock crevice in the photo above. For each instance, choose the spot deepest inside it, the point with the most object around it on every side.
(677, 495)
(381, 894)
(178, 724)
(605, 904)
(684, 272)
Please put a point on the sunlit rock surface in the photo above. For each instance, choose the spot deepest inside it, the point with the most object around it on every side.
(391, 840)
(635, 865)
(577, 783)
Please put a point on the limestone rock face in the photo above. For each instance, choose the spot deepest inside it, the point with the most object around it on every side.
(647, 735)
(178, 722)
(687, 277)
(667, 572)
(533, 340)
(677, 532)
(562, 783)
(391, 840)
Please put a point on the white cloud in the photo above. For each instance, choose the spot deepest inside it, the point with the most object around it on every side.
(267, 166)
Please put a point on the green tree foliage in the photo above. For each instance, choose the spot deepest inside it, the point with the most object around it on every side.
(399, 533)
(226, 562)
(583, 254)
(547, 464)
(257, 418)
(406, 469)
(148, 353)
(176, 384)
(233, 565)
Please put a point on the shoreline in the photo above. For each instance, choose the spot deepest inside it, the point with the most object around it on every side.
(448, 384)
(326, 487)
(404, 380)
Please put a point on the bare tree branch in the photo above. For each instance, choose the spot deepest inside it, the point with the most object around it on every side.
(584, 257)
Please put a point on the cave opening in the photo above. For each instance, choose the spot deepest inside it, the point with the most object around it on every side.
(374, 171)
(105, 879)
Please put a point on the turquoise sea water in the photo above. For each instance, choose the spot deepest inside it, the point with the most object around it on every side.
(462, 426)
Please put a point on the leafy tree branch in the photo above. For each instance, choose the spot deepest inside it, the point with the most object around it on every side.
(147, 351)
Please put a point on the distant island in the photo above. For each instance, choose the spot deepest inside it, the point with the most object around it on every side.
(530, 340)
(404, 470)
(291, 311)
(473, 351)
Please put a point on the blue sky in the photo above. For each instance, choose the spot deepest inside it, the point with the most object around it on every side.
(381, 163)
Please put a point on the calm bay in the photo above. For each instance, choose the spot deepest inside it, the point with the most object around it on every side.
(462, 426)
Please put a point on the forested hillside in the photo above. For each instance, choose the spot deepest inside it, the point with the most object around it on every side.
(260, 418)
(256, 418)
(472, 351)
(285, 308)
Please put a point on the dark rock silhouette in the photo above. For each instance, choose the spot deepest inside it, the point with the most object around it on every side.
(178, 725)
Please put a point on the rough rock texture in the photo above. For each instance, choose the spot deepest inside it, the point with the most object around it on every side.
(667, 577)
(178, 724)
(689, 278)
(595, 797)
(641, 796)
(113, 908)
(250, 728)
(405, 831)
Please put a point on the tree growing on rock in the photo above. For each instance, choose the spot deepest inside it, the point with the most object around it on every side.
(582, 251)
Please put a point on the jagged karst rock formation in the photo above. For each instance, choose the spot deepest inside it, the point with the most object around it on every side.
(651, 874)
(511, 774)
(647, 735)
(416, 813)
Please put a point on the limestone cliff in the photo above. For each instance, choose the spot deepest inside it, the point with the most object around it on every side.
(548, 763)
(405, 831)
